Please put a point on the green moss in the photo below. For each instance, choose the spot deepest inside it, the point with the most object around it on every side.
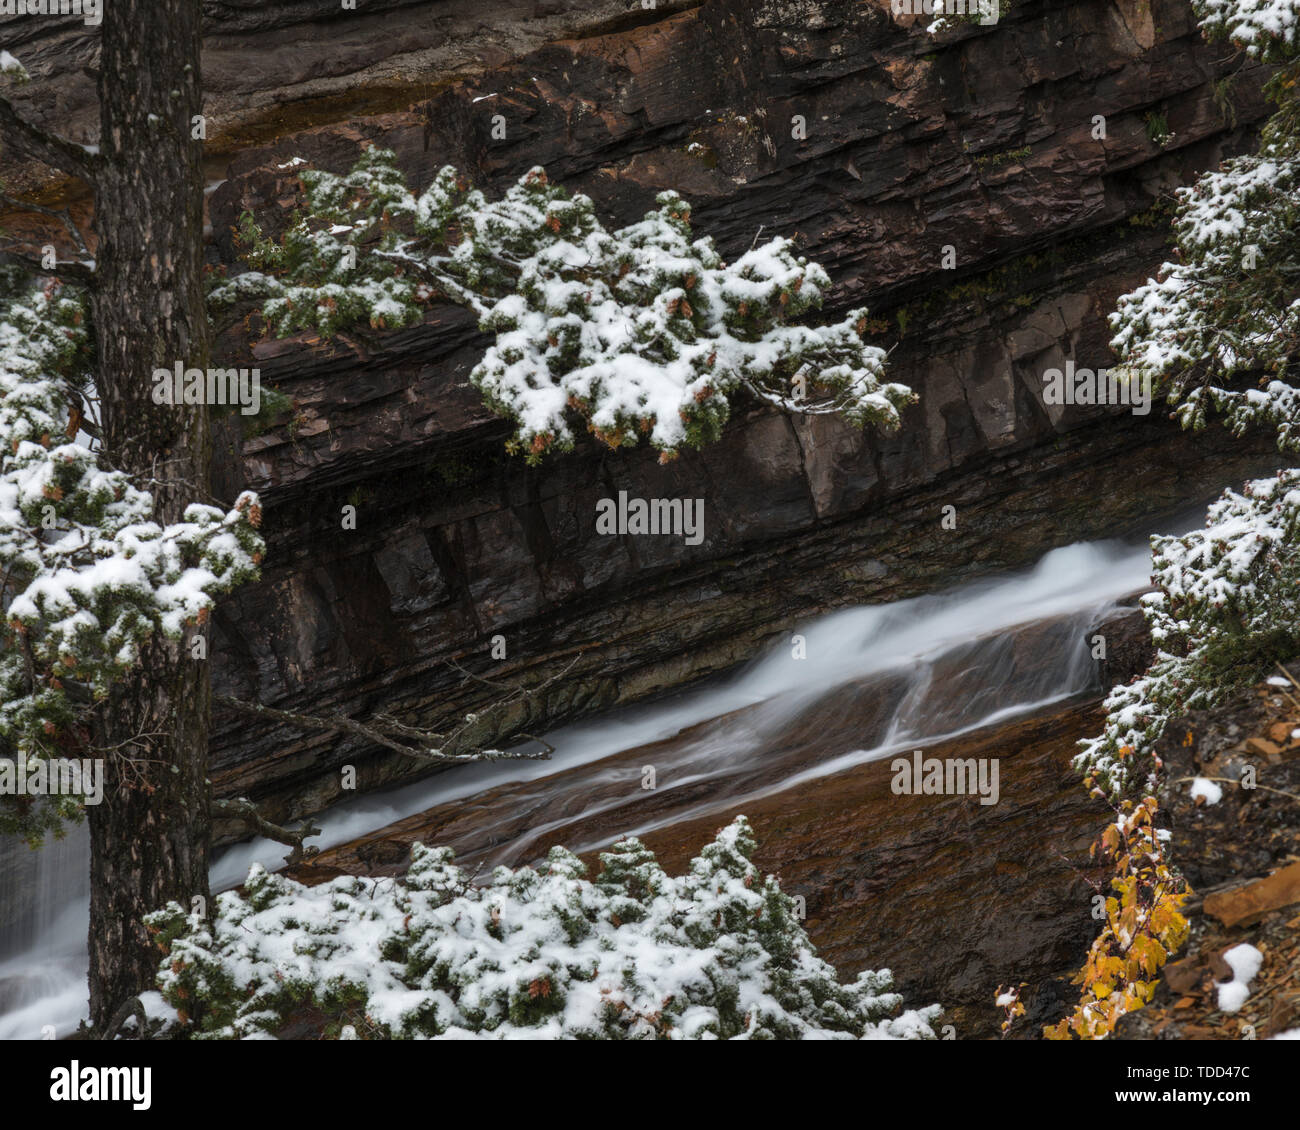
(1023, 281)
(1223, 100)
(450, 472)
(701, 150)
(274, 405)
(994, 160)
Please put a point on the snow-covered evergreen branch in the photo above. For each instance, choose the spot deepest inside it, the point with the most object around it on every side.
(1228, 307)
(643, 332)
(86, 574)
(1226, 610)
(715, 954)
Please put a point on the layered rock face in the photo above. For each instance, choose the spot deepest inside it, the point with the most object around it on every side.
(961, 184)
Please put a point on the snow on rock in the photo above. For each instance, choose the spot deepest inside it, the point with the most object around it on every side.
(11, 66)
(1244, 960)
(1204, 787)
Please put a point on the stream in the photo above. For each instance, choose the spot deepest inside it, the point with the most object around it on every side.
(861, 684)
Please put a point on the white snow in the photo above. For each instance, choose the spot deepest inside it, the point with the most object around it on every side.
(90, 574)
(1255, 24)
(1244, 960)
(11, 66)
(645, 332)
(534, 954)
(1204, 787)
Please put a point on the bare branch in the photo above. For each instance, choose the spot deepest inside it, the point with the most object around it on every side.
(132, 1006)
(25, 139)
(68, 268)
(382, 732)
(243, 809)
(62, 215)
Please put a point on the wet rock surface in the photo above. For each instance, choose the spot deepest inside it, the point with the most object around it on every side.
(956, 895)
(1239, 856)
(875, 144)
(979, 140)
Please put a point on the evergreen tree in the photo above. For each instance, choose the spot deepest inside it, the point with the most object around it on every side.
(1228, 309)
(1224, 315)
(106, 586)
(88, 574)
(1226, 609)
(642, 333)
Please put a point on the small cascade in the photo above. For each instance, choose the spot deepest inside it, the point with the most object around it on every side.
(857, 685)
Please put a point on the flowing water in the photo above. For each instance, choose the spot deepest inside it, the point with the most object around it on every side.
(870, 681)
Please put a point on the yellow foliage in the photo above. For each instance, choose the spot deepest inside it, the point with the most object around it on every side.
(1143, 927)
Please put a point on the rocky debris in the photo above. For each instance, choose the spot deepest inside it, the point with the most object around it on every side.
(1241, 855)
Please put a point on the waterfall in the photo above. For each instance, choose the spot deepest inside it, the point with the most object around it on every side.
(927, 668)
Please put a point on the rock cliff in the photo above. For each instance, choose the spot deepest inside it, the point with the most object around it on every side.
(887, 151)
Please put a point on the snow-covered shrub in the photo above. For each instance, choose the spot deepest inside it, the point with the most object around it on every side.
(1231, 303)
(636, 954)
(86, 574)
(642, 333)
(1228, 307)
(1226, 610)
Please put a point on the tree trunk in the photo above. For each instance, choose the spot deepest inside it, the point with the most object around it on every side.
(149, 836)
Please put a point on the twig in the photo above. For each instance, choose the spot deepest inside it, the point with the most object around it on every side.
(1293, 683)
(380, 734)
(78, 272)
(62, 214)
(1231, 781)
(130, 1007)
(245, 810)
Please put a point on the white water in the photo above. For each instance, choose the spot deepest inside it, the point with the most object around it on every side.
(42, 966)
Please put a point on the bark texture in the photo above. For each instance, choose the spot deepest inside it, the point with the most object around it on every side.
(149, 837)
